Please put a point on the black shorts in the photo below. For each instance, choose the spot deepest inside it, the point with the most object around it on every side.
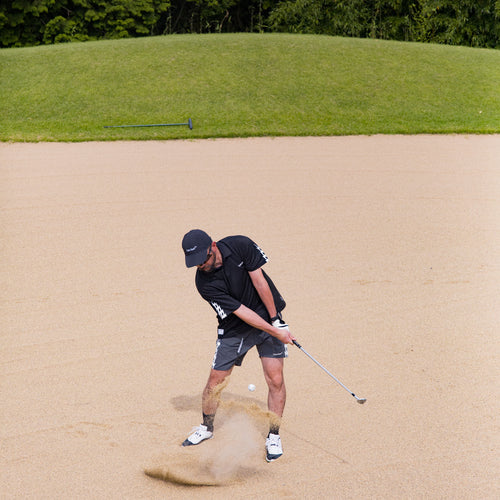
(230, 351)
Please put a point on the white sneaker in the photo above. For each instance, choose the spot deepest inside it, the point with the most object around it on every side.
(273, 447)
(200, 434)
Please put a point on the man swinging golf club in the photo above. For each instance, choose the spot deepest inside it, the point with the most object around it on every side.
(230, 278)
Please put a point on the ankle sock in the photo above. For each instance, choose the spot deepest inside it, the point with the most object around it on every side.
(208, 421)
(274, 430)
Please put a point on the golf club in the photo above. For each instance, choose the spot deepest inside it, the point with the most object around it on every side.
(189, 124)
(358, 400)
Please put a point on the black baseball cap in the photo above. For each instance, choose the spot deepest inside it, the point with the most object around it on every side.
(195, 245)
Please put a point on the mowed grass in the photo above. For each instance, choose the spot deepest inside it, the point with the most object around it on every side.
(241, 85)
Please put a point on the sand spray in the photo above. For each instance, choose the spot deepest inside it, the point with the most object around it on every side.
(235, 454)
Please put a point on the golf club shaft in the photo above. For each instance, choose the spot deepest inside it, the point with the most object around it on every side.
(359, 400)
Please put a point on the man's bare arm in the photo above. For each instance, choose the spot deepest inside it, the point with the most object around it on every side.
(253, 319)
(262, 286)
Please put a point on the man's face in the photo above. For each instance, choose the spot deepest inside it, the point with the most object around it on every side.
(209, 265)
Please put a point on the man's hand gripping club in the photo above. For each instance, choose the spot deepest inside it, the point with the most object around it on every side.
(284, 331)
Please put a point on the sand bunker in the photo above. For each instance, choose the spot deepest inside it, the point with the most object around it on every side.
(386, 250)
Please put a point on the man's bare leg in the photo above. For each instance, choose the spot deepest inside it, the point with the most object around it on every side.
(273, 373)
(276, 398)
(209, 404)
(210, 397)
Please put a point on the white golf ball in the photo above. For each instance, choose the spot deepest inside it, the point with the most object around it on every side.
(251, 387)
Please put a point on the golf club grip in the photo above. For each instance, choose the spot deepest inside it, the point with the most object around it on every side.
(297, 344)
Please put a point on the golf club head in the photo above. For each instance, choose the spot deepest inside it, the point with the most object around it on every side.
(361, 401)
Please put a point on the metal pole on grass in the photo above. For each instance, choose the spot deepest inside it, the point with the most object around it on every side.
(189, 124)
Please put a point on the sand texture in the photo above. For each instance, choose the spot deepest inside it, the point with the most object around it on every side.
(387, 251)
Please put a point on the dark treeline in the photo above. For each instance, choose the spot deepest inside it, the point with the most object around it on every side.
(473, 23)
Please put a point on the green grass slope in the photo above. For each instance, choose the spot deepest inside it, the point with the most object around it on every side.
(241, 85)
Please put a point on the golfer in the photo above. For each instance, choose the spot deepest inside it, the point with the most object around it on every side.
(230, 278)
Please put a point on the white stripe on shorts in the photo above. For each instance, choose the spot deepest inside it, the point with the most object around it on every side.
(215, 355)
(241, 345)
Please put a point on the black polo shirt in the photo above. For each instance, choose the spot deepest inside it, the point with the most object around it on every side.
(229, 286)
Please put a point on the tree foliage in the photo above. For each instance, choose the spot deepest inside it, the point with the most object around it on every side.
(460, 22)
(467, 22)
(53, 21)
